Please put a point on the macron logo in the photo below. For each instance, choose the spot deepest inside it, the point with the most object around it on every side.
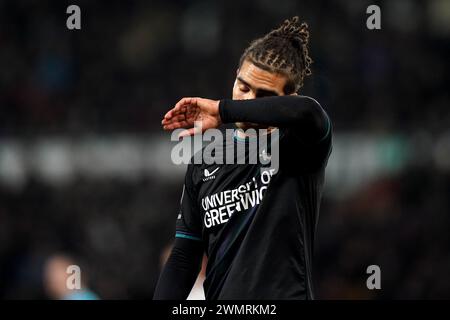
(210, 175)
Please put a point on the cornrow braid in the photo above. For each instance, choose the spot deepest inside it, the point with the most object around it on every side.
(283, 50)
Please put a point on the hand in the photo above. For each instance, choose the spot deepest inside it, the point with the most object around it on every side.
(187, 111)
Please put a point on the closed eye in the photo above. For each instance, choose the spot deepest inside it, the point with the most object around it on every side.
(244, 88)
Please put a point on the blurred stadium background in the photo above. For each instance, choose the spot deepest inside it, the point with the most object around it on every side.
(85, 168)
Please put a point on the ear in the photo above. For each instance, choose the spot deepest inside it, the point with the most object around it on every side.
(237, 71)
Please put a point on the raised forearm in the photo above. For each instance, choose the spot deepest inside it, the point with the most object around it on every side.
(302, 113)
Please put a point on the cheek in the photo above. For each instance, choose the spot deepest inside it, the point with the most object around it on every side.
(237, 94)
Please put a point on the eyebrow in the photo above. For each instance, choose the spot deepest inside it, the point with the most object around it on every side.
(264, 92)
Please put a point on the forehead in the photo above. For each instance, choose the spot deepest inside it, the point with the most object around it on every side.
(260, 78)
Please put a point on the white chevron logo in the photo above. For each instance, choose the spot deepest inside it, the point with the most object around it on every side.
(208, 174)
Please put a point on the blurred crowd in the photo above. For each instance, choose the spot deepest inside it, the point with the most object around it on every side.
(397, 223)
(113, 230)
(132, 60)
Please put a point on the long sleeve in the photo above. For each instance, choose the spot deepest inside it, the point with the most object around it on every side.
(301, 113)
(180, 271)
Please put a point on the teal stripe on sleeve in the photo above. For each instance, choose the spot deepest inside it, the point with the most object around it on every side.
(186, 236)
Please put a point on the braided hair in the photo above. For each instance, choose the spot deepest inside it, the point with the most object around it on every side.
(283, 50)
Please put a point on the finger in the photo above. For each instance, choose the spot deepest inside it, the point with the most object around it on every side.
(169, 114)
(167, 120)
(177, 125)
(176, 112)
(182, 102)
(181, 106)
(185, 104)
(178, 118)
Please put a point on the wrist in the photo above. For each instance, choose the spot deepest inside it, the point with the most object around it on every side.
(222, 111)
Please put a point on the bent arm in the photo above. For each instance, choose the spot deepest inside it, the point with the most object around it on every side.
(301, 113)
(180, 271)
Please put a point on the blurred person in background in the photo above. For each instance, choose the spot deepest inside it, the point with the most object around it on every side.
(55, 280)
